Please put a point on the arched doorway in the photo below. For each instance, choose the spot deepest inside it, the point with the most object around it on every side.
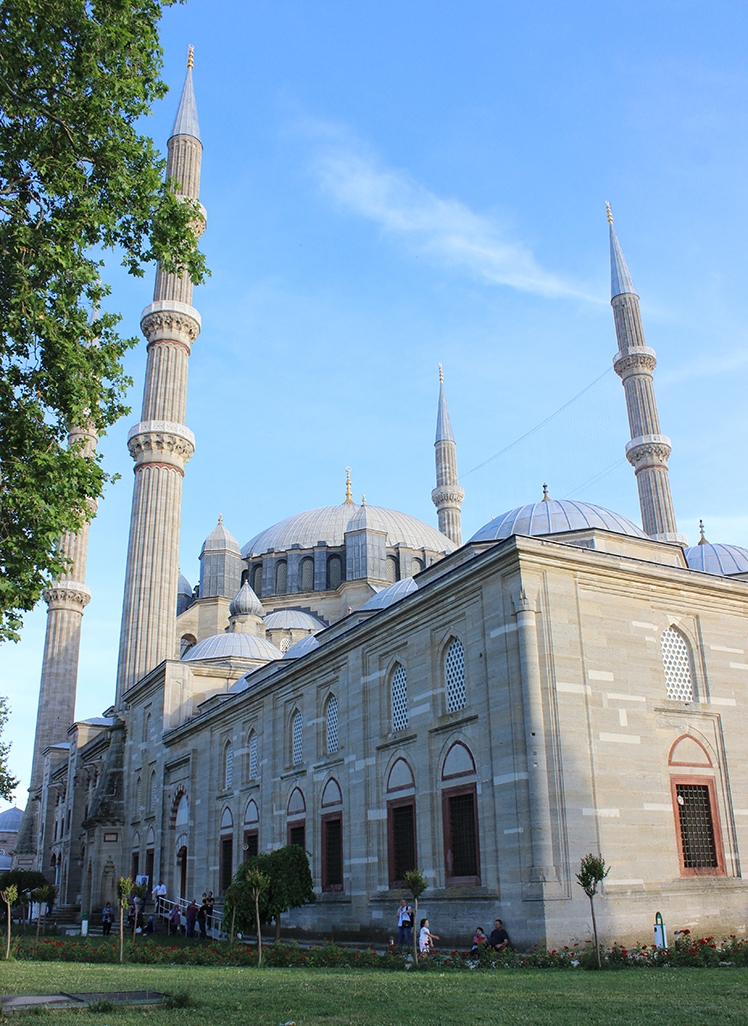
(182, 871)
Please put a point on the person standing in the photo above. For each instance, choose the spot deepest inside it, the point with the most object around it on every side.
(426, 938)
(202, 915)
(404, 924)
(107, 918)
(159, 893)
(190, 916)
(175, 919)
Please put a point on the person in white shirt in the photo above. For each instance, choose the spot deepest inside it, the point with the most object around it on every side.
(426, 938)
(159, 893)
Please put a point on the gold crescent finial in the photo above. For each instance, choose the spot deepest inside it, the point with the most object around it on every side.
(702, 534)
(546, 496)
(190, 57)
(348, 489)
(609, 212)
(441, 375)
(220, 518)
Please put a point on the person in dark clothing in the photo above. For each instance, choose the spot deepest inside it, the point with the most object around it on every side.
(202, 915)
(499, 938)
(190, 915)
(107, 918)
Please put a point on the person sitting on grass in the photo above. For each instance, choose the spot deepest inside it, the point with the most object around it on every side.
(426, 938)
(499, 939)
(479, 940)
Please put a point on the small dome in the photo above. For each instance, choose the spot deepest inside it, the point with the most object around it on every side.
(239, 646)
(10, 820)
(329, 524)
(292, 620)
(220, 540)
(555, 516)
(183, 586)
(245, 603)
(302, 648)
(717, 559)
(392, 593)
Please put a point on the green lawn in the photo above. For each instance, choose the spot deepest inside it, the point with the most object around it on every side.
(330, 997)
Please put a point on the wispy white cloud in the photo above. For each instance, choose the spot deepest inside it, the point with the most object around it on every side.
(445, 229)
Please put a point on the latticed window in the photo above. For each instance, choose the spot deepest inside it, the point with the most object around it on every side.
(462, 836)
(253, 755)
(676, 660)
(297, 730)
(285, 644)
(392, 569)
(307, 574)
(138, 794)
(402, 840)
(331, 723)
(332, 853)
(454, 676)
(152, 796)
(228, 766)
(698, 844)
(334, 572)
(399, 694)
(257, 580)
(281, 578)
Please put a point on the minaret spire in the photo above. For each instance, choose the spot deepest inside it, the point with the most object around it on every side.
(649, 450)
(447, 496)
(160, 444)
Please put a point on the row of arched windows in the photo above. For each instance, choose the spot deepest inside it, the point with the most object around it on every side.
(454, 685)
(334, 576)
(228, 761)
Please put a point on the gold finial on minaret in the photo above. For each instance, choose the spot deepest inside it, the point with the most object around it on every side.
(546, 496)
(441, 375)
(348, 489)
(190, 57)
(609, 212)
(703, 540)
(220, 518)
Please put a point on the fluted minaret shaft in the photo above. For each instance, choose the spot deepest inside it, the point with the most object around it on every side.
(649, 450)
(447, 496)
(160, 444)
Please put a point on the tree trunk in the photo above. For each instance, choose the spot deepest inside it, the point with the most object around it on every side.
(594, 931)
(121, 932)
(415, 930)
(259, 928)
(278, 928)
(233, 923)
(7, 943)
(38, 923)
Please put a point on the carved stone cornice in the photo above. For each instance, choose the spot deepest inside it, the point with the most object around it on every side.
(636, 360)
(648, 451)
(448, 495)
(168, 320)
(162, 442)
(67, 595)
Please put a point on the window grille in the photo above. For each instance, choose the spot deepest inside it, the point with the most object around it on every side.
(696, 826)
(253, 755)
(454, 675)
(297, 727)
(257, 580)
(251, 844)
(281, 578)
(332, 842)
(227, 862)
(138, 794)
(399, 694)
(332, 725)
(228, 777)
(285, 644)
(676, 660)
(152, 798)
(416, 565)
(307, 574)
(392, 569)
(403, 841)
(463, 843)
(334, 572)
(297, 835)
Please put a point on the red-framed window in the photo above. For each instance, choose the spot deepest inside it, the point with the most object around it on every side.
(227, 862)
(461, 845)
(700, 851)
(297, 833)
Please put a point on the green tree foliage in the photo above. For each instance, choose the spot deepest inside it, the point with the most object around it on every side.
(8, 784)
(24, 880)
(9, 896)
(592, 871)
(417, 884)
(76, 179)
(289, 886)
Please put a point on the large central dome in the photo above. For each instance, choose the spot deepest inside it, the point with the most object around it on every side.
(329, 524)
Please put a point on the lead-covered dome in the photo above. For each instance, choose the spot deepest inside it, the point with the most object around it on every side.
(10, 820)
(301, 648)
(292, 620)
(717, 559)
(329, 524)
(220, 540)
(233, 645)
(555, 516)
(391, 594)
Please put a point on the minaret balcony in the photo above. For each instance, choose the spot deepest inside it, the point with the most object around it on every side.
(169, 320)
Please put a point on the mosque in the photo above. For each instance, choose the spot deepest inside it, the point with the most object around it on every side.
(389, 696)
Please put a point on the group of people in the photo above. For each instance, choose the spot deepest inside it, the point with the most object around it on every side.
(199, 915)
(497, 941)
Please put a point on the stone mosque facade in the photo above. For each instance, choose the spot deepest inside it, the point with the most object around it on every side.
(389, 696)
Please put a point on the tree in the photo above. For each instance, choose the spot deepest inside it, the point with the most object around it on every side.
(251, 887)
(124, 886)
(8, 784)
(9, 896)
(417, 884)
(290, 885)
(592, 871)
(76, 180)
(42, 896)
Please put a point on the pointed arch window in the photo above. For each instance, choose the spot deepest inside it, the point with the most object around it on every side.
(392, 569)
(676, 662)
(399, 697)
(307, 574)
(228, 765)
(281, 578)
(297, 737)
(331, 724)
(226, 850)
(152, 795)
(454, 676)
(138, 795)
(257, 580)
(253, 760)
(251, 830)
(334, 572)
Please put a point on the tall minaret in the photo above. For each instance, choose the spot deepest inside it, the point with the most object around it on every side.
(447, 496)
(648, 451)
(66, 599)
(160, 444)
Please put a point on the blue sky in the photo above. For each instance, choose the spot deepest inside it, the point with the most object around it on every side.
(394, 185)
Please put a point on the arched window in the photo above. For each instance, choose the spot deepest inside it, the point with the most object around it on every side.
(693, 787)
(307, 574)
(253, 764)
(296, 811)
(459, 762)
(401, 823)
(281, 577)
(676, 661)
(334, 572)
(186, 642)
(331, 724)
(454, 675)
(399, 697)
(152, 795)
(147, 727)
(285, 644)
(226, 870)
(182, 817)
(138, 795)
(416, 565)
(297, 731)
(251, 829)
(228, 765)
(332, 837)
(257, 580)
(392, 570)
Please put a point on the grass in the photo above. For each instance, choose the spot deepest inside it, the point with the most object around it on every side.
(330, 997)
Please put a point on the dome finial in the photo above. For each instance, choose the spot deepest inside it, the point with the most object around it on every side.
(546, 496)
(220, 518)
(190, 57)
(441, 375)
(363, 499)
(609, 212)
(703, 540)
(348, 489)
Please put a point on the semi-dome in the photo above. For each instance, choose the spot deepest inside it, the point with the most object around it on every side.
(245, 603)
(329, 524)
(292, 620)
(220, 540)
(10, 820)
(392, 593)
(233, 645)
(555, 516)
(307, 644)
(717, 559)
